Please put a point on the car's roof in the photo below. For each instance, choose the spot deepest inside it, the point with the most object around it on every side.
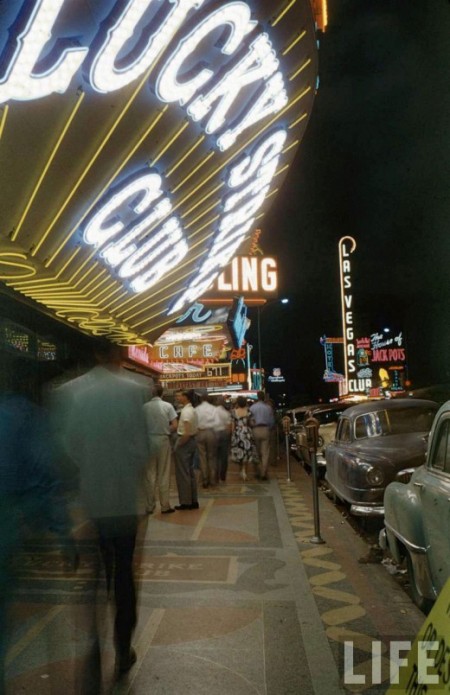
(389, 404)
(445, 407)
(316, 407)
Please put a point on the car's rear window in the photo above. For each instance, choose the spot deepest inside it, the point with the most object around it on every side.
(395, 421)
(328, 416)
(410, 420)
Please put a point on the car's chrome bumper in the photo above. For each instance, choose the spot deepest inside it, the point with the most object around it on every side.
(366, 510)
(320, 459)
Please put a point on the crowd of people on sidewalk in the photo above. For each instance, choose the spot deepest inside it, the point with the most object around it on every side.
(203, 440)
(116, 439)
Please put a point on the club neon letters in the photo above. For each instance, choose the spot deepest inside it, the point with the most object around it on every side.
(143, 265)
(119, 239)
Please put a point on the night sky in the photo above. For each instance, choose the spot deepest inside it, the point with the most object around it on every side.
(374, 164)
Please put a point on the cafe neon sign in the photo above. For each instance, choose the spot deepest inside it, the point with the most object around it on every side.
(135, 228)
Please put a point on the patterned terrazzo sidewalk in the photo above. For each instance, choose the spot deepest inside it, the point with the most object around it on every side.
(233, 599)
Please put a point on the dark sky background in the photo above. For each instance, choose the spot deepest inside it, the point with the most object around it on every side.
(374, 164)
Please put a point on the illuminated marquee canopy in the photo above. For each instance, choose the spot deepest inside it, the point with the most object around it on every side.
(141, 142)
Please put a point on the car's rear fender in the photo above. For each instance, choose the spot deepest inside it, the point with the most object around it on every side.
(403, 518)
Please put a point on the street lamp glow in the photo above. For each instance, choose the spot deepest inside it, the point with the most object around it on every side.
(285, 300)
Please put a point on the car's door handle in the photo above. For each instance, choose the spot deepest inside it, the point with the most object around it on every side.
(418, 485)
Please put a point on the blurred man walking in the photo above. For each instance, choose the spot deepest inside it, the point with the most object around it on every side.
(107, 438)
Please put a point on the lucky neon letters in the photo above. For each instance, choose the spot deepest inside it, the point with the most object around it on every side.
(235, 15)
(104, 75)
(133, 229)
(258, 67)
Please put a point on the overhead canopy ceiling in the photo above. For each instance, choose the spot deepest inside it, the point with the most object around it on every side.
(141, 142)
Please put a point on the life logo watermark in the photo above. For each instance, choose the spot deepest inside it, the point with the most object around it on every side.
(416, 668)
(411, 668)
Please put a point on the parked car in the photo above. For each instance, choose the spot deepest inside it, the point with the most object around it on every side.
(376, 443)
(327, 414)
(296, 416)
(417, 517)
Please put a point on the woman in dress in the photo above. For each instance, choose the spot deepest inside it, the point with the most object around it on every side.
(242, 445)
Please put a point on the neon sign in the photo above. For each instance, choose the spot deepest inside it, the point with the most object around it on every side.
(22, 82)
(139, 353)
(347, 246)
(166, 246)
(235, 75)
(196, 313)
(389, 355)
(250, 274)
(238, 219)
(330, 374)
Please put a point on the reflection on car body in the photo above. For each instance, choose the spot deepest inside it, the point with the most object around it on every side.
(417, 517)
(376, 443)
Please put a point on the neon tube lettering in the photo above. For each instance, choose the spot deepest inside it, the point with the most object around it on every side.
(259, 63)
(237, 16)
(229, 237)
(163, 250)
(167, 237)
(249, 166)
(265, 177)
(273, 99)
(20, 82)
(114, 254)
(104, 76)
(97, 232)
(269, 275)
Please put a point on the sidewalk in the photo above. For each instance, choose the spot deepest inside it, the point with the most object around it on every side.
(233, 600)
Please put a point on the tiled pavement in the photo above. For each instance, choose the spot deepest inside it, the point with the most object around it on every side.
(233, 599)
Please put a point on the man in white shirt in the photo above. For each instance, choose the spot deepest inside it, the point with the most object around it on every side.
(207, 441)
(185, 450)
(161, 420)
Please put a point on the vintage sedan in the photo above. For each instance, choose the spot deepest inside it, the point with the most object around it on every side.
(327, 415)
(376, 443)
(417, 517)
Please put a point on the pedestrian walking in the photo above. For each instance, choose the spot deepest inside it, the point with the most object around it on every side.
(31, 493)
(207, 441)
(107, 438)
(185, 450)
(223, 435)
(262, 422)
(161, 421)
(242, 444)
